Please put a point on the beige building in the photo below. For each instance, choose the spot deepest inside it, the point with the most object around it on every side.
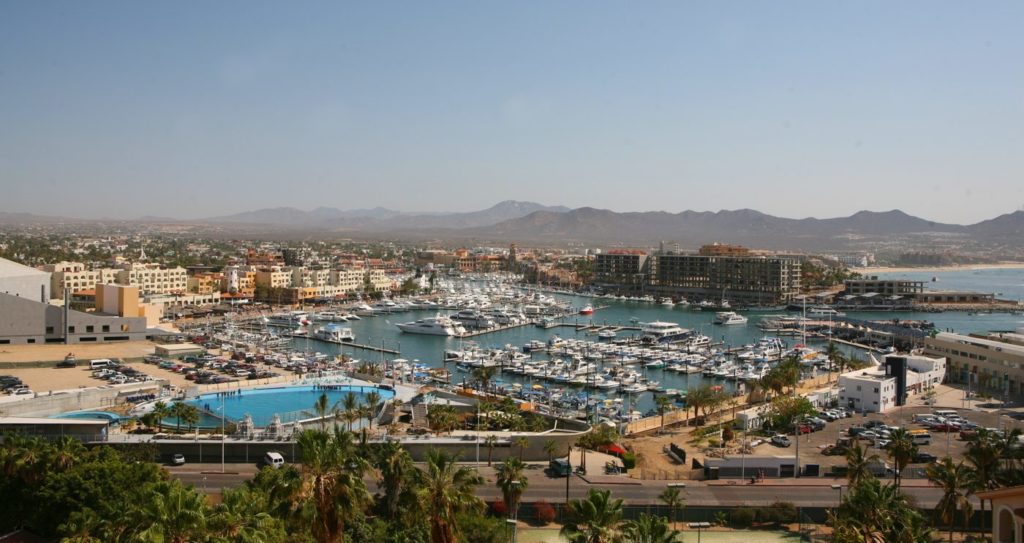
(204, 283)
(76, 277)
(273, 278)
(309, 277)
(989, 366)
(1007, 514)
(753, 280)
(154, 279)
(378, 280)
(347, 280)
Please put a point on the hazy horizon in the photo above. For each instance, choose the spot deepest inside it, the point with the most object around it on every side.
(121, 110)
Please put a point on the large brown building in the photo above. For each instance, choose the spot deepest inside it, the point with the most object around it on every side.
(750, 280)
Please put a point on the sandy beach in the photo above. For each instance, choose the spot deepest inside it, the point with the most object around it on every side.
(965, 267)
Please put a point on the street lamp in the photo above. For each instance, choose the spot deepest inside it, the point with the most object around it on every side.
(511, 526)
(515, 511)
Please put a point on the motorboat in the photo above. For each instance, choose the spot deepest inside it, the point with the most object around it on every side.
(606, 334)
(334, 334)
(434, 326)
(729, 317)
(588, 310)
(663, 332)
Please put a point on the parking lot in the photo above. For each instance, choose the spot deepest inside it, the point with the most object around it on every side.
(814, 445)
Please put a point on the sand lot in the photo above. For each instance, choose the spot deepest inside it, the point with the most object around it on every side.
(83, 351)
(42, 380)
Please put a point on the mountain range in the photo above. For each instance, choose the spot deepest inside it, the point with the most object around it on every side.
(528, 221)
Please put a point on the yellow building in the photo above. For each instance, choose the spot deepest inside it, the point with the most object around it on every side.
(1007, 514)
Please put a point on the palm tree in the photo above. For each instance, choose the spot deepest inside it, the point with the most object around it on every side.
(172, 513)
(446, 489)
(649, 529)
(483, 375)
(178, 412)
(332, 489)
(243, 516)
(65, 453)
(512, 483)
(594, 519)
(550, 448)
(875, 513)
(672, 498)
(955, 482)
(663, 404)
(835, 358)
(522, 443)
(160, 412)
(372, 401)
(902, 451)
(349, 405)
(322, 407)
(394, 465)
(189, 414)
(984, 451)
(490, 442)
(858, 464)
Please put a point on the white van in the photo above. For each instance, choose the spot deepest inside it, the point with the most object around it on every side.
(946, 413)
(274, 460)
(100, 363)
(921, 439)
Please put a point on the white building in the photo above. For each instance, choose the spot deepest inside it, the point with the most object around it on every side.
(884, 387)
(23, 281)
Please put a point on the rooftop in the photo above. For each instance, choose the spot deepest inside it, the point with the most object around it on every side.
(9, 268)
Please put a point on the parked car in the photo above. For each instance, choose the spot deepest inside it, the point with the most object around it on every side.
(780, 441)
(178, 459)
(924, 458)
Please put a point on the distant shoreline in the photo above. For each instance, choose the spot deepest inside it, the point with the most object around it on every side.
(965, 267)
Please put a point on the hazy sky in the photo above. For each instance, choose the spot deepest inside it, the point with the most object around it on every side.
(816, 108)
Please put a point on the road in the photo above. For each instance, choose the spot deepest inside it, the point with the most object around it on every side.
(802, 493)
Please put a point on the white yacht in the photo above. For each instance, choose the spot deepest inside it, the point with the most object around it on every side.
(823, 312)
(435, 326)
(334, 334)
(729, 317)
(663, 332)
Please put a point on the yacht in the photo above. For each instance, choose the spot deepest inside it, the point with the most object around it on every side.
(364, 310)
(474, 318)
(729, 317)
(588, 310)
(663, 332)
(435, 326)
(606, 334)
(823, 312)
(334, 334)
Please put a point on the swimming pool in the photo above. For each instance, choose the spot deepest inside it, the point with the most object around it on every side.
(114, 418)
(291, 403)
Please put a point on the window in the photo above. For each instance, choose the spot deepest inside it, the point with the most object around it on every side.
(124, 327)
(89, 329)
(49, 329)
(71, 329)
(32, 340)
(106, 327)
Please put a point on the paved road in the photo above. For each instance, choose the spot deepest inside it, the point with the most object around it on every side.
(814, 493)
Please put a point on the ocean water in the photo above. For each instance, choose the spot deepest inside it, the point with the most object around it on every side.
(1007, 283)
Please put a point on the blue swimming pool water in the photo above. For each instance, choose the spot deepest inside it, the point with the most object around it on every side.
(295, 402)
(104, 415)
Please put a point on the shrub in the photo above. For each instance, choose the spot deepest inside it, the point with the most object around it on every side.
(727, 434)
(782, 513)
(742, 517)
(629, 460)
(545, 512)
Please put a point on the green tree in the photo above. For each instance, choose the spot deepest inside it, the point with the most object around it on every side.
(490, 442)
(649, 529)
(442, 418)
(484, 375)
(349, 407)
(447, 489)
(594, 519)
(395, 470)
(160, 412)
(373, 400)
(663, 404)
(858, 464)
(955, 480)
(512, 483)
(322, 408)
(243, 516)
(836, 359)
(902, 451)
(171, 513)
(984, 453)
(673, 499)
(522, 443)
(332, 490)
(550, 448)
(877, 513)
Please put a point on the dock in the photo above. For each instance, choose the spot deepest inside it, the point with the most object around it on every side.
(547, 326)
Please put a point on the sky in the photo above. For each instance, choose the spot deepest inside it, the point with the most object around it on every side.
(797, 108)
